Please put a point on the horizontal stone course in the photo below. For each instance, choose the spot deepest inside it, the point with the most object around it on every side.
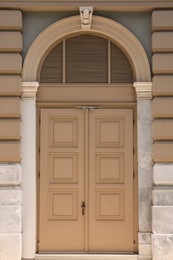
(163, 174)
(10, 196)
(163, 107)
(162, 219)
(162, 197)
(10, 174)
(162, 63)
(163, 130)
(15, 21)
(162, 247)
(10, 219)
(10, 129)
(10, 85)
(163, 85)
(162, 20)
(162, 152)
(10, 63)
(162, 42)
(10, 246)
(10, 42)
(10, 107)
(10, 151)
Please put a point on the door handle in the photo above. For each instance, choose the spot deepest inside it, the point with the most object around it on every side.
(83, 207)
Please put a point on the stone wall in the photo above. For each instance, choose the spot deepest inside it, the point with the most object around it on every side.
(10, 168)
(162, 211)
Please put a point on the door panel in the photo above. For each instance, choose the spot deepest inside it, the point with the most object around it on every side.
(86, 155)
(61, 180)
(111, 180)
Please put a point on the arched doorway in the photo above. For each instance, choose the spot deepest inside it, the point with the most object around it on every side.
(109, 104)
(87, 109)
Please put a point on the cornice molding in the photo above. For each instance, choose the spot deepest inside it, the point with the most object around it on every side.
(29, 90)
(143, 90)
(72, 5)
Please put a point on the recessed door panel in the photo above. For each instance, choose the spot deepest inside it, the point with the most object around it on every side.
(86, 180)
(61, 180)
(111, 180)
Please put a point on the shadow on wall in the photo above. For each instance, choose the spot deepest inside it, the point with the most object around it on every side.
(34, 23)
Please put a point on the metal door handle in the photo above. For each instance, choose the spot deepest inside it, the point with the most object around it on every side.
(83, 207)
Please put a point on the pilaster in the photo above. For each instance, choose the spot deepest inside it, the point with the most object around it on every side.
(29, 90)
(145, 165)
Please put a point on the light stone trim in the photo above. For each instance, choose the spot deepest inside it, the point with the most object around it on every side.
(145, 164)
(143, 90)
(29, 90)
(85, 257)
(101, 26)
(144, 238)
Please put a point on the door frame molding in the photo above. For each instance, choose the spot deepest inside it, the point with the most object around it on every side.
(132, 47)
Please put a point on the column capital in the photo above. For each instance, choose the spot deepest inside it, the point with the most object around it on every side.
(29, 90)
(143, 90)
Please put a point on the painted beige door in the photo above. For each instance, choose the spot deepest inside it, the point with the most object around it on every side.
(111, 180)
(61, 225)
(86, 156)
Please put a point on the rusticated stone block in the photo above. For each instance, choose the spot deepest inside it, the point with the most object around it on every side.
(10, 174)
(10, 246)
(10, 129)
(10, 42)
(162, 197)
(163, 174)
(163, 63)
(162, 41)
(10, 219)
(15, 21)
(10, 151)
(162, 219)
(10, 107)
(10, 197)
(162, 247)
(10, 63)
(10, 85)
(162, 20)
(163, 85)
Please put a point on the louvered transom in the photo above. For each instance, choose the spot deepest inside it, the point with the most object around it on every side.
(86, 59)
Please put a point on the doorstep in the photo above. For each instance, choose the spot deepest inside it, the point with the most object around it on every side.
(84, 257)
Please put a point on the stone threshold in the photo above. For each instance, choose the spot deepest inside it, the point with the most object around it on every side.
(85, 257)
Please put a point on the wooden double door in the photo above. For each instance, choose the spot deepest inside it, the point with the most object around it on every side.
(86, 180)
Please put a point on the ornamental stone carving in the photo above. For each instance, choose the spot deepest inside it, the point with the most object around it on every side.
(86, 17)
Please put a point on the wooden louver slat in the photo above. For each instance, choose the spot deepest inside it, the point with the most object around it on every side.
(121, 71)
(86, 59)
(52, 69)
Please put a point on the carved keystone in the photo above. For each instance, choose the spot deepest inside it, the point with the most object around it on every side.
(86, 17)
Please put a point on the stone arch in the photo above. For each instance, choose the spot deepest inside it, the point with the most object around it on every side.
(100, 26)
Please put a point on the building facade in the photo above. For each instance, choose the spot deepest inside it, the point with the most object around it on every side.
(86, 130)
